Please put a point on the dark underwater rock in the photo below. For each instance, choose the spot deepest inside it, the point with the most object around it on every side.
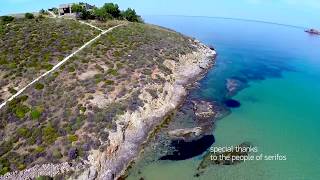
(232, 103)
(208, 161)
(185, 150)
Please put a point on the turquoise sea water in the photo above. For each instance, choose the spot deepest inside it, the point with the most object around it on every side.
(279, 110)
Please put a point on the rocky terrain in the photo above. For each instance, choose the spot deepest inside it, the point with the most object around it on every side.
(90, 118)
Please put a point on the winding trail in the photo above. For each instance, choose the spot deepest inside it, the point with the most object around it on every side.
(61, 62)
(52, 14)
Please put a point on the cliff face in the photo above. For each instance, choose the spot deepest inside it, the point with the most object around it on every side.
(133, 128)
(93, 114)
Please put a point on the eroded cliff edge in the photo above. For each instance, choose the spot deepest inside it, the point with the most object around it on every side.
(133, 128)
(89, 119)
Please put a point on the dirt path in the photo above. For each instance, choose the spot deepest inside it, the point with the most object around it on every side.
(60, 63)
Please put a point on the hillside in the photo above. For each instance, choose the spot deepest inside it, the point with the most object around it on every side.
(31, 47)
(79, 111)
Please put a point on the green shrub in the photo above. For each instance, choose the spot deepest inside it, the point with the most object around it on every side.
(47, 66)
(5, 147)
(71, 69)
(35, 113)
(38, 86)
(24, 132)
(77, 8)
(131, 15)
(49, 134)
(4, 170)
(39, 149)
(6, 19)
(12, 90)
(23, 98)
(21, 166)
(3, 62)
(73, 138)
(21, 111)
(4, 166)
(109, 82)
(98, 78)
(113, 72)
(29, 16)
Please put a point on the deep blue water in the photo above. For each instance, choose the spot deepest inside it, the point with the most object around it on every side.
(276, 107)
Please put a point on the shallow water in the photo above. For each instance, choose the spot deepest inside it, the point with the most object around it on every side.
(279, 106)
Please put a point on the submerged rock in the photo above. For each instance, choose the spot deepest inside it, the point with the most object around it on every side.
(232, 103)
(187, 134)
(203, 109)
(234, 85)
(185, 150)
(208, 161)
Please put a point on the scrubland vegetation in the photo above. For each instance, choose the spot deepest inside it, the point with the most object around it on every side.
(29, 47)
(71, 111)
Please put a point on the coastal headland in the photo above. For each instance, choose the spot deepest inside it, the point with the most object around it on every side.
(89, 117)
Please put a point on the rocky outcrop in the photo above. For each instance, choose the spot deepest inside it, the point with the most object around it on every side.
(133, 129)
(188, 134)
(41, 170)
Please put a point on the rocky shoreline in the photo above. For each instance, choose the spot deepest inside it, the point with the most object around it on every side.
(134, 129)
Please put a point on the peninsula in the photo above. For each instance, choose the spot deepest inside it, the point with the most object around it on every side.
(81, 95)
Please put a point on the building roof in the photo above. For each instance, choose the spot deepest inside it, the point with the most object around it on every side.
(65, 5)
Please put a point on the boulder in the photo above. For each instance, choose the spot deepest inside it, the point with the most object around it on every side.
(186, 134)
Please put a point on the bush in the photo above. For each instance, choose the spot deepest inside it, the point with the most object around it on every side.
(35, 113)
(24, 132)
(71, 69)
(12, 90)
(5, 147)
(49, 134)
(29, 16)
(84, 14)
(38, 86)
(21, 111)
(77, 8)
(130, 15)
(107, 11)
(109, 82)
(42, 11)
(73, 138)
(6, 19)
(113, 72)
(4, 166)
(39, 149)
(112, 9)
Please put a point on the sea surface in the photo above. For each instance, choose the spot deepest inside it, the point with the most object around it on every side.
(279, 110)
